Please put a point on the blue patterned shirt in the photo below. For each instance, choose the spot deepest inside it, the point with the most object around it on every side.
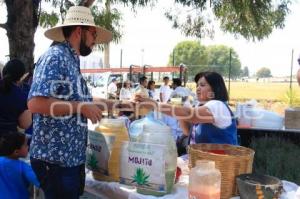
(59, 140)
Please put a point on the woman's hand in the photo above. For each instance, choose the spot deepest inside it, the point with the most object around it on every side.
(25, 119)
(144, 102)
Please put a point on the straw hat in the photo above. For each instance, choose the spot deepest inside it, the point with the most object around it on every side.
(79, 15)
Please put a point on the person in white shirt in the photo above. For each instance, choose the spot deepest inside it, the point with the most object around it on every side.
(142, 88)
(179, 91)
(112, 89)
(152, 92)
(213, 122)
(126, 92)
(165, 90)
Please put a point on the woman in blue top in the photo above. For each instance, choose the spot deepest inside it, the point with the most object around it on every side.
(13, 100)
(213, 122)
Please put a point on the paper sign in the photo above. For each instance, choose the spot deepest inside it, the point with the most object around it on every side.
(143, 165)
(98, 151)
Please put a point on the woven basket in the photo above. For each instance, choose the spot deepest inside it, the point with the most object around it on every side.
(229, 159)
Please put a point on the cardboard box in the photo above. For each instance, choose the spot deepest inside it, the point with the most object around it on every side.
(292, 118)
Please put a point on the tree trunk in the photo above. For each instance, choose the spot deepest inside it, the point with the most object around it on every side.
(22, 21)
(106, 56)
(106, 46)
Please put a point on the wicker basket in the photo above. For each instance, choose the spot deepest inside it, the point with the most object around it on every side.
(229, 159)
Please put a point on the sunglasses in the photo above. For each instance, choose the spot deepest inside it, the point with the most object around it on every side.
(93, 33)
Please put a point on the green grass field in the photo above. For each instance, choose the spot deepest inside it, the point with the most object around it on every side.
(262, 90)
(259, 90)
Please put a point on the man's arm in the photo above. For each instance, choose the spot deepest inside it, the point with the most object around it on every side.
(110, 104)
(55, 107)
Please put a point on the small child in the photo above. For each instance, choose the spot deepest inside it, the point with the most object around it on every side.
(15, 175)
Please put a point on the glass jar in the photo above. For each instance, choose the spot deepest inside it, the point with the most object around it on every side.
(204, 181)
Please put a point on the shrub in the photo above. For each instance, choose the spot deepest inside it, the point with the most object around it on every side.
(276, 157)
(291, 98)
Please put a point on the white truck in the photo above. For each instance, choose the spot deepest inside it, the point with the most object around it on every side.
(100, 82)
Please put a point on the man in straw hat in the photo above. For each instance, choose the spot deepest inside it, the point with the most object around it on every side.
(60, 101)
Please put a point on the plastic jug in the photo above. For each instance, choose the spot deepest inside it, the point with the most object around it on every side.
(158, 133)
(244, 113)
(103, 152)
(136, 127)
(204, 181)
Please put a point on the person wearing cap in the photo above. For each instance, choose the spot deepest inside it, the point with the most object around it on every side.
(61, 104)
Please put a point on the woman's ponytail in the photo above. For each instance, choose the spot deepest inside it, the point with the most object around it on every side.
(12, 73)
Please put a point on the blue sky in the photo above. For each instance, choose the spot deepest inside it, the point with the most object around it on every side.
(149, 39)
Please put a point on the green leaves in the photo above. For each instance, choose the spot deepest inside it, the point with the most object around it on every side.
(276, 156)
(110, 19)
(263, 72)
(251, 19)
(48, 19)
(140, 177)
(200, 58)
(92, 162)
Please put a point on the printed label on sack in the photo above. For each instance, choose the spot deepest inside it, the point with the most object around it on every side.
(98, 151)
(143, 165)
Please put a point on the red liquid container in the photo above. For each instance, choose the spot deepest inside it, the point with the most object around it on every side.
(204, 181)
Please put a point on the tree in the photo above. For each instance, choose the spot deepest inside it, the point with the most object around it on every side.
(24, 16)
(245, 72)
(263, 72)
(110, 19)
(250, 19)
(105, 17)
(200, 58)
(218, 59)
(190, 53)
(21, 24)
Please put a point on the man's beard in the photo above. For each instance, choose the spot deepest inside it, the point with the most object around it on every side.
(84, 49)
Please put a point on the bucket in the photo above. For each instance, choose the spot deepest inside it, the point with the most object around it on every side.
(258, 186)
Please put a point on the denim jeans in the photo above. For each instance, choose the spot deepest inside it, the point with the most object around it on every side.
(59, 182)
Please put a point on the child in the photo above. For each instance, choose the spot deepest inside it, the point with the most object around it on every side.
(15, 175)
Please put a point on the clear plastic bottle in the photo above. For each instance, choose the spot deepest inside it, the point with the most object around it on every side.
(158, 133)
(204, 181)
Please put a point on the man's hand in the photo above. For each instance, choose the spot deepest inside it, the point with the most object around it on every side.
(90, 111)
